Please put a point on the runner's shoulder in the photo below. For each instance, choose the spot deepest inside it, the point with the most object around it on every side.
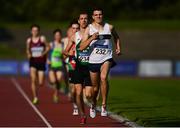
(64, 39)
(43, 38)
(111, 27)
(73, 37)
(51, 44)
(88, 27)
(87, 30)
(28, 40)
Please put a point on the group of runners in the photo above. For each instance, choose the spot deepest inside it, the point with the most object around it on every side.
(82, 59)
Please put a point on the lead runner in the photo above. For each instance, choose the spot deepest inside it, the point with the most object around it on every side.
(98, 36)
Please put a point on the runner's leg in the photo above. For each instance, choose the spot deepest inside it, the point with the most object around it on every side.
(33, 76)
(52, 78)
(95, 85)
(41, 77)
(104, 86)
(57, 87)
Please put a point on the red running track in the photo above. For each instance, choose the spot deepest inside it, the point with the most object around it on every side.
(15, 110)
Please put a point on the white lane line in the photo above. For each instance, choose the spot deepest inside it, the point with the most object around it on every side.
(17, 85)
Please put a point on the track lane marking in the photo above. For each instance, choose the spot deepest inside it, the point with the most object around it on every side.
(18, 87)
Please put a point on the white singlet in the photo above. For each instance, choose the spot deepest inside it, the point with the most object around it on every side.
(101, 48)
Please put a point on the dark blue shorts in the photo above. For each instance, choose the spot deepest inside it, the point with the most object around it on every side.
(97, 67)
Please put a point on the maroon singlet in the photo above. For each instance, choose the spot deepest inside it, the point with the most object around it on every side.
(36, 49)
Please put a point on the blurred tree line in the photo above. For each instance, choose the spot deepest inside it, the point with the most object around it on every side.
(63, 10)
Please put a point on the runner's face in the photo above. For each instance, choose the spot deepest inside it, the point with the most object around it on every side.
(57, 36)
(83, 20)
(75, 28)
(35, 31)
(97, 16)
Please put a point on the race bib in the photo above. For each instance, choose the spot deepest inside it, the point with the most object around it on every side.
(37, 54)
(102, 51)
(37, 51)
(56, 59)
(83, 58)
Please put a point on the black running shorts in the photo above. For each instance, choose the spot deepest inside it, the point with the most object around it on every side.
(82, 75)
(37, 66)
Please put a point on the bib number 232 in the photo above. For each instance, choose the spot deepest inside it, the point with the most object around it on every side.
(102, 51)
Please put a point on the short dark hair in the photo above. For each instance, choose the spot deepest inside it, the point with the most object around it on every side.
(82, 12)
(97, 9)
(74, 21)
(57, 30)
(35, 25)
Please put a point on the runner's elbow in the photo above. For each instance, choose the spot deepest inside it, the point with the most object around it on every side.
(81, 47)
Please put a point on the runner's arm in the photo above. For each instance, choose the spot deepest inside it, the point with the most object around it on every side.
(86, 40)
(27, 48)
(116, 40)
(68, 47)
(48, 59)
(47, 47)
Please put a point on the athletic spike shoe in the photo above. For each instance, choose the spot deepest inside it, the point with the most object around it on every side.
(55, 99)
(92, 112)
(75, 112)
(35, 100)
(83, 120)
(104, 111)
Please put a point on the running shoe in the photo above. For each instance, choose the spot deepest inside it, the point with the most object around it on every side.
(92, 112)
(75, 112)
(83, 120)
(35, 100)
(55, 99)
(104, 111)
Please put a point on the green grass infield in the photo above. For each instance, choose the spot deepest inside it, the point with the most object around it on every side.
(148, 102)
